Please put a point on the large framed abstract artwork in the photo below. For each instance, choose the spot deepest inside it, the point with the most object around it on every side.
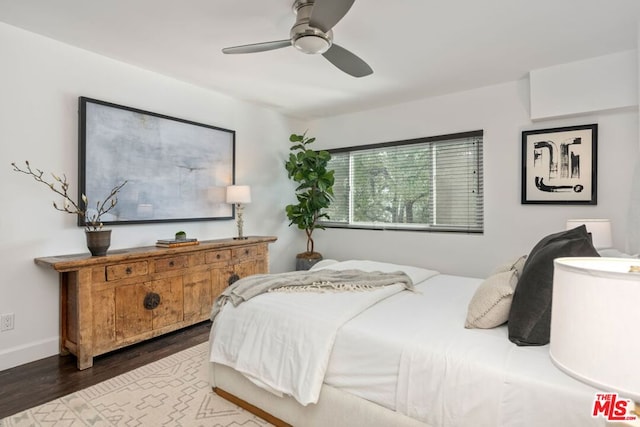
(559, 165)
(176, 170)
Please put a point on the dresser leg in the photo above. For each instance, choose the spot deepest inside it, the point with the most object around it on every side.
(84, 362)
(84, 319)
(64, 297)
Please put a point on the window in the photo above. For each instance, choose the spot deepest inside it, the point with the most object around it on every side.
(427, 184)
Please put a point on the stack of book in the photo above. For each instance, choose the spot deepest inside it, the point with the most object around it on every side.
(174, 243)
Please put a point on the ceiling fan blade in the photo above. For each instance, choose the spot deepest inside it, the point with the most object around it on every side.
(326, 13)
(257, 47)
(347, 61)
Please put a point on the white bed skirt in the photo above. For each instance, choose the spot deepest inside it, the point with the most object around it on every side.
(334, 408)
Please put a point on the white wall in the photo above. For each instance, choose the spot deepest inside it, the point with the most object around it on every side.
(40, 81)
(511, 229)
(597, 84)
(633, 232)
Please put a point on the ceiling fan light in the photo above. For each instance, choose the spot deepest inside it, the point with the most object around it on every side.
(312, 44)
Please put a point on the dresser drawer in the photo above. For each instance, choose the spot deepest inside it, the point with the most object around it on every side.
(131, 269)
(247, 252)
(217, 256)
(172, 263)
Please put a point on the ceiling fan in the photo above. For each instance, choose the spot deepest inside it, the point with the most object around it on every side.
(312, 34)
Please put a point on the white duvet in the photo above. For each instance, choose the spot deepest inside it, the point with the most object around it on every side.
(409, 352)
(283, 341)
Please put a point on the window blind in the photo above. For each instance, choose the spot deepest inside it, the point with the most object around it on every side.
(432, 183)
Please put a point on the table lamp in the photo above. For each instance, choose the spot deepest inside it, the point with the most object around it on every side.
(238, 195)
(594, 327)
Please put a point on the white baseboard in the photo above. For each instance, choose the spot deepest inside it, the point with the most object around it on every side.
(19, 355)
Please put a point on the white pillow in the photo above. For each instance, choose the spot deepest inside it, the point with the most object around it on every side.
(324, 263)
(515, 264)
(489, 307)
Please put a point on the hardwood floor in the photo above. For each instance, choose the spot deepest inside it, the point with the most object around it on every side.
(38, 382)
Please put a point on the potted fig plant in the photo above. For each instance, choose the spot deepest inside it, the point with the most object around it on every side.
(314, 193)
(98, 239)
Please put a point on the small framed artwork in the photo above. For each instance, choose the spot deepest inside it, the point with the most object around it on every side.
(176, 170)
(559, 165)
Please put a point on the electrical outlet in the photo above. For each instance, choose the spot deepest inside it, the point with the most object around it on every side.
(7, 321)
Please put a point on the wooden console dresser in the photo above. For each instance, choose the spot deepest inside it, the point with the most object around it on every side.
(131, 295)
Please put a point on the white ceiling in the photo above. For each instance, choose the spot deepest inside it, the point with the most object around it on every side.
(417, 48)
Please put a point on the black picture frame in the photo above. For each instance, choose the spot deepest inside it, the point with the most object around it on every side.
(176, 170)
(559, 165)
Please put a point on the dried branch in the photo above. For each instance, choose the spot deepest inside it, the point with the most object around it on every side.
(60, 186)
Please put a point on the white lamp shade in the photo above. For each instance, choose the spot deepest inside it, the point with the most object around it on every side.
(600, 230)
(238, 194)
(594, 323)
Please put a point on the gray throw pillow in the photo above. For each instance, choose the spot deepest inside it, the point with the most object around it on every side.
(530, 314)
(579, 231)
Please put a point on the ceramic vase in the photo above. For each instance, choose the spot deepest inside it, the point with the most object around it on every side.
(98, 241)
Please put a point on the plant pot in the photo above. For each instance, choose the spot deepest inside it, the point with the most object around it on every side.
(98, 241)
(306, 260)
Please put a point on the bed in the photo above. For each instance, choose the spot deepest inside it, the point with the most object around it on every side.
(403, 358)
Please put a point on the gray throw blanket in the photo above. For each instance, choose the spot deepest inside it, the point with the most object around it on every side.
(308, 281)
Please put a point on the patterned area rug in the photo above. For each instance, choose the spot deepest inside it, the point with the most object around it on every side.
(173, 391)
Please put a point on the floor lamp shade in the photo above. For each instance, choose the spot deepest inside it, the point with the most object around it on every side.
(594, 323)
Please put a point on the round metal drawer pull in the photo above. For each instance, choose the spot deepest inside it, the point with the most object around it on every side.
(151, 301)
(128, 270)
(171, 263)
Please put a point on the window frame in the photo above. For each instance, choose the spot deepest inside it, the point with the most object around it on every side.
(412, 227)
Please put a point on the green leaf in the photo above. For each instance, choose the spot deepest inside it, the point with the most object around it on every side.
(314, 192)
